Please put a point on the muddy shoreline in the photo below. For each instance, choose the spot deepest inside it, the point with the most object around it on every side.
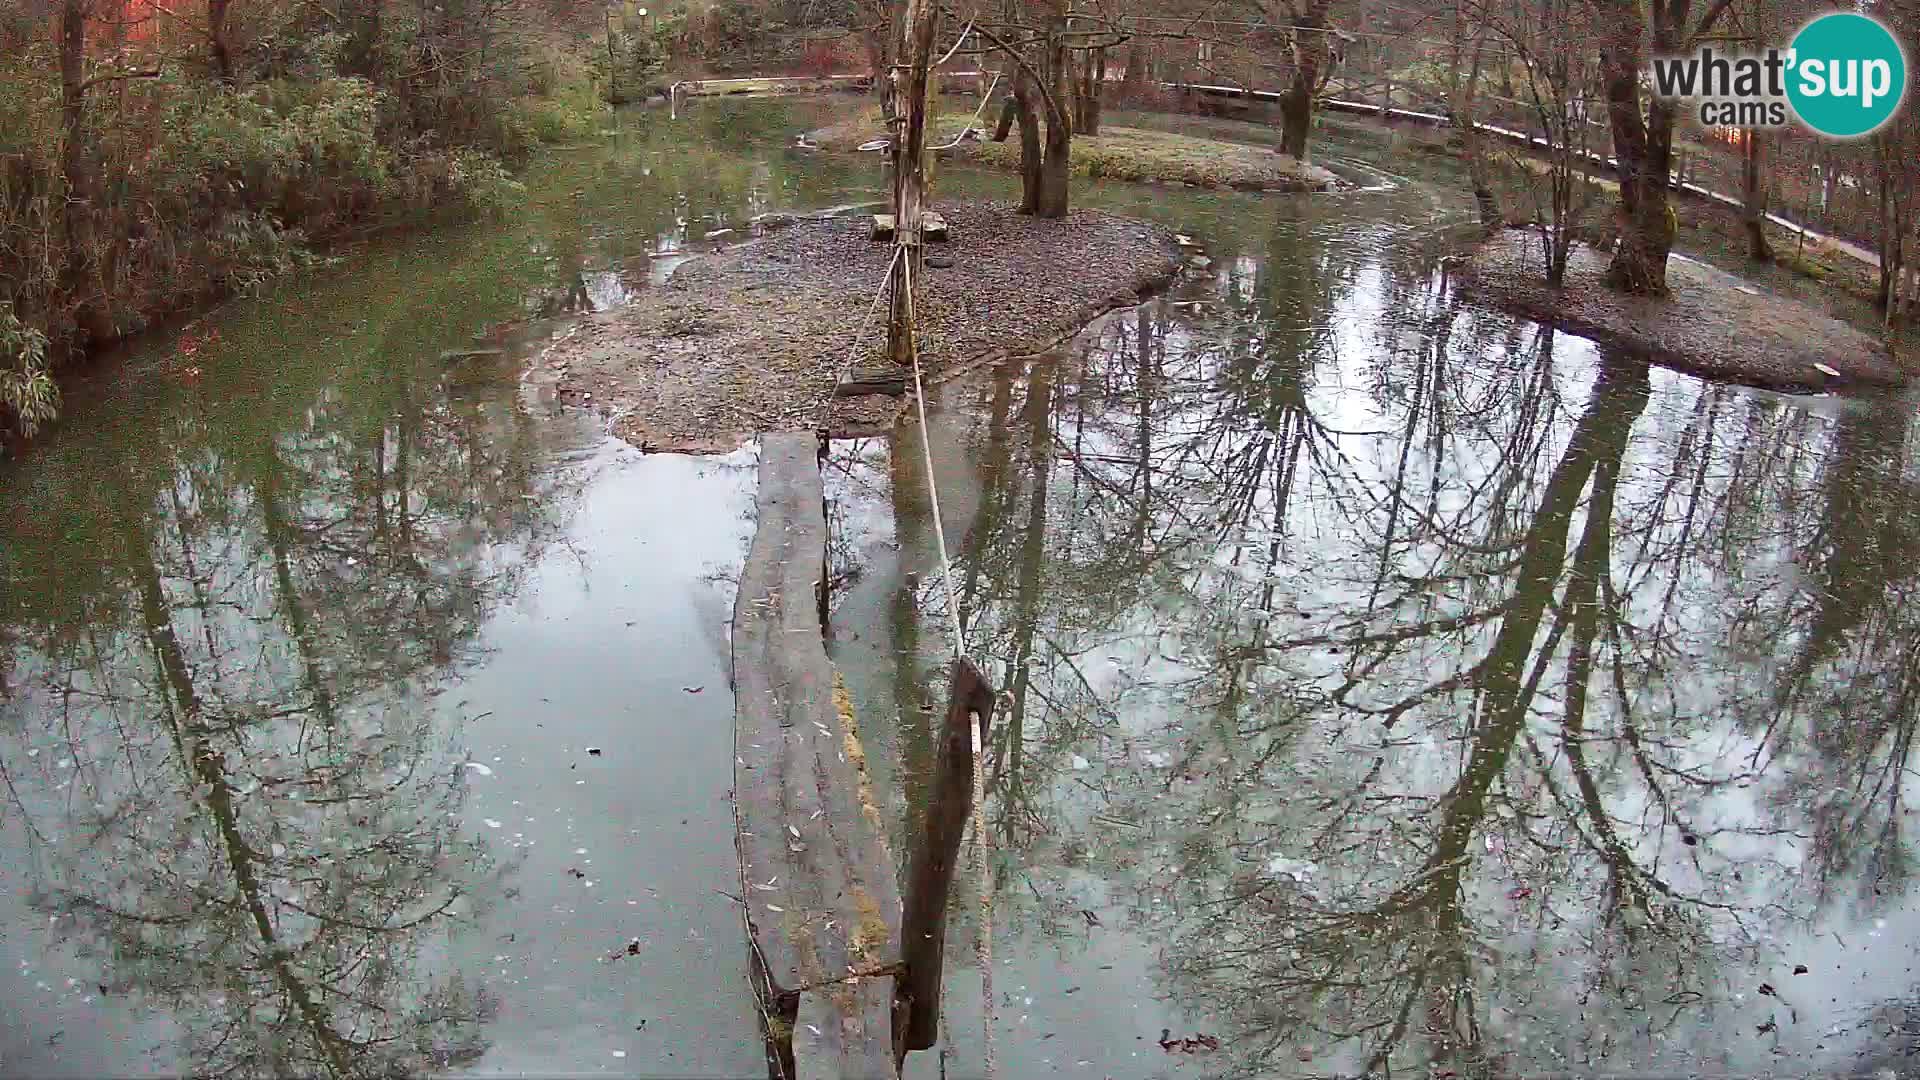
(1715, 325)
(755, 338)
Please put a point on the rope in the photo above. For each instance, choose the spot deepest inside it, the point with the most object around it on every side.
(980, 850)
(942, 62)
(933, 494)
(975, 122)
(860, 333)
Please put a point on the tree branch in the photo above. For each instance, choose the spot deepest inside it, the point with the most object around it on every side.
(1054, 113)
(117, 76)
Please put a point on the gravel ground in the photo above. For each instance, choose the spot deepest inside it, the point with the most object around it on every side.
(755, 338)
(1714, 325)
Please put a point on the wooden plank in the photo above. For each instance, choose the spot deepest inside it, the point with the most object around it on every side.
(818, 884)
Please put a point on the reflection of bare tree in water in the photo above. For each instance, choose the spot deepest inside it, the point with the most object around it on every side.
(1454, 774)
(262, 828)
(1392, 952)
(1845, 705)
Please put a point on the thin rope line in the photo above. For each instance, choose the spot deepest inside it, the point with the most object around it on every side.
(956, 45)
(984, 98)
(926, 456)
(859, 333)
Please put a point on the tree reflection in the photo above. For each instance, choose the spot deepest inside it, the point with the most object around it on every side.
(1415, 690)
(255, 816)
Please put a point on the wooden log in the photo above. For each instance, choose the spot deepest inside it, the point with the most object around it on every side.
(818, 884)
(923, 926)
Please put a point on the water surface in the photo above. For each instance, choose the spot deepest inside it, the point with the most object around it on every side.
(1393, 685)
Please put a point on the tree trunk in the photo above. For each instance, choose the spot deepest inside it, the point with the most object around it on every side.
(1053, 168)
(908, 87)
(1892, 222)
(875, 41)
(1296, 114)
(1090, 77)
(1309, 56)
(1030, 154)
(1754, 206)
(1097, 79)
(219, 54)
(78, 268)
(1465, 92)
(614, 96)
(1136, 70)
(1009, 112)
(1644, 146)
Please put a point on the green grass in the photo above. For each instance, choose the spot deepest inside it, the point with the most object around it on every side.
(1117, 153)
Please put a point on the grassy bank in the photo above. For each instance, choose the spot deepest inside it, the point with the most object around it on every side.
(1118, 153)
(1711, 231)
(151, 178)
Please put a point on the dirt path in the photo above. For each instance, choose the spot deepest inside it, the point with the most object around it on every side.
(755, 339)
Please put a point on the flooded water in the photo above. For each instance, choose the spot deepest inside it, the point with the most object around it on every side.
(1392, 685)
(1395, 687)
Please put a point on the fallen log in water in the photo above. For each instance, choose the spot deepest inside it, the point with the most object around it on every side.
(822, 906)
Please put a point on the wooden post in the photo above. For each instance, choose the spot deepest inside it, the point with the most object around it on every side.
(907, 92)
(923, 922)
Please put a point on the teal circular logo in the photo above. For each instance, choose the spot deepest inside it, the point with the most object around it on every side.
(1847, 74)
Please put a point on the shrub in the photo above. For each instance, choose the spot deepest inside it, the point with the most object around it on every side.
(28, 396)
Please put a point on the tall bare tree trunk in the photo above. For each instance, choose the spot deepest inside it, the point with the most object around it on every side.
(1030, 152)
(1309, 57)
(874, 39)
(219, 53)
(1086, 99)
(1754, 205)
(1464, 93)
(1643, 143)
(1135, 73)
(1893, 218)
(908, 86)
(79, 273)
(1009, 112)
(1053, 167)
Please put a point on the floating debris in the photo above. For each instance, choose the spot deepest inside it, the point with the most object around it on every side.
(479, 768)
(1195, 1044)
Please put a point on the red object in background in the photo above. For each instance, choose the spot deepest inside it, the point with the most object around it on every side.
(118, 23)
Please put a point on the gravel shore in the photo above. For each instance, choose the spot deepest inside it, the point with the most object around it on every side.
(755, 338)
